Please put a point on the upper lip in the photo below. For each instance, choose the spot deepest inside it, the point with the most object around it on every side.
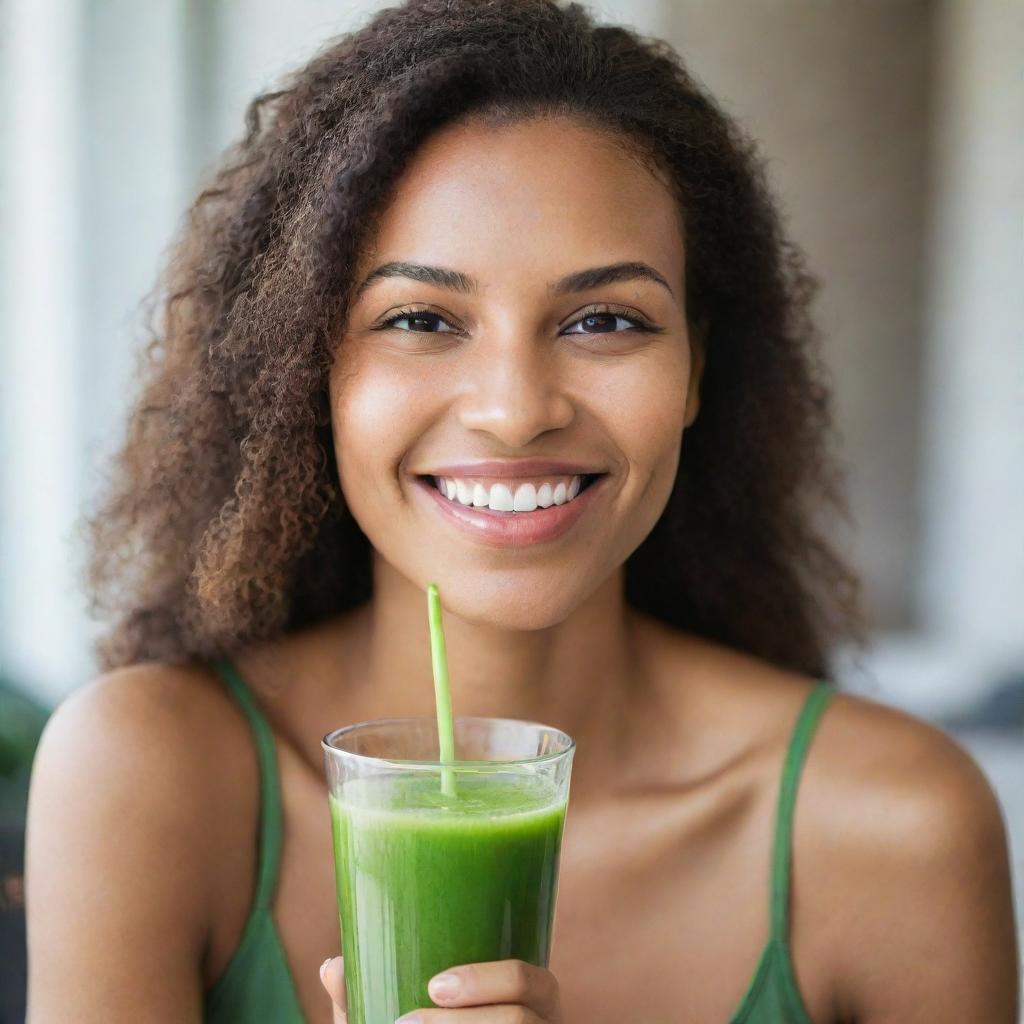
(515, 468)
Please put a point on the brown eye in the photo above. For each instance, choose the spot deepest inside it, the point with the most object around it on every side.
(413, 316)
(603, 321)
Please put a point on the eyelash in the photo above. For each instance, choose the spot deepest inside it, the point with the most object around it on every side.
(642, 327)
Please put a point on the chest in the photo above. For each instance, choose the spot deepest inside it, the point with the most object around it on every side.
(655, 925)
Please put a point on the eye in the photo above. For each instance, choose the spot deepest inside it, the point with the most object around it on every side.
(602, 318)
(605, 318)
(421, 316)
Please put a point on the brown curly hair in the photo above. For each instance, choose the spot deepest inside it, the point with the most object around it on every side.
(224, 522)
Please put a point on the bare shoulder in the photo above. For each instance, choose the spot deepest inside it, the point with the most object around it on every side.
(122, 829)
(149, 742)
(151, 693)
(149, 729)
(909, 781)
(901, 902)
(901, 847)
(906, 779)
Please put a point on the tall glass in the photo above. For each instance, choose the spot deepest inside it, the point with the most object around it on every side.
(430, 876)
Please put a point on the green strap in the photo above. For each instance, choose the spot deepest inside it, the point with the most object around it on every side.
(782, 853)
(270, 792)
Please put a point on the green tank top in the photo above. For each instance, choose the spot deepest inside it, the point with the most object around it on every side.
(257, 984)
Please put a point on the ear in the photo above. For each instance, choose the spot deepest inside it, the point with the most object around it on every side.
(698, 335)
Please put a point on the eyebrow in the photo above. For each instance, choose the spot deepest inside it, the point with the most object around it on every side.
(580, 281)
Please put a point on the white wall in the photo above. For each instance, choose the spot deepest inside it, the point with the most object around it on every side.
(41, 626)
(837, 95)
(971, 571)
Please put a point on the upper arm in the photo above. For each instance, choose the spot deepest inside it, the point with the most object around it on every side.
(928, 910)
(116, 896)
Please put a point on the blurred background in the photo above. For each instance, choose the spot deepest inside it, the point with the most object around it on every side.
(893, 131)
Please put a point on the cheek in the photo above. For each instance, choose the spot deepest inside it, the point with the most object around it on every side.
(375, 416)
(644, 407)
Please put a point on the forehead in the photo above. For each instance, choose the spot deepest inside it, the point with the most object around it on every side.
(527, 202)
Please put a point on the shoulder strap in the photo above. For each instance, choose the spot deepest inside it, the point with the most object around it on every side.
(270, 792)
(782, 851)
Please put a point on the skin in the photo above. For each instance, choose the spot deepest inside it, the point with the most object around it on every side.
(899, 846)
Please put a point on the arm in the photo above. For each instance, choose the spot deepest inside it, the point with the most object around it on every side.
(115, 883)
(931, 934)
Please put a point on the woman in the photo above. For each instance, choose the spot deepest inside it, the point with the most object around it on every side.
(492, 254)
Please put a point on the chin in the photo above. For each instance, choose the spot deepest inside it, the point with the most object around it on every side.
(503, 601)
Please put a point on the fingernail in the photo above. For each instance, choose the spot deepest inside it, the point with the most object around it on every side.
(323, 967)
(444, 986)
(410, 1018)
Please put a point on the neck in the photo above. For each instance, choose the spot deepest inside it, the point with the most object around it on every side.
(575, 675)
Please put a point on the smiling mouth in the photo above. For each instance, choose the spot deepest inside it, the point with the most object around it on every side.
(512, 497)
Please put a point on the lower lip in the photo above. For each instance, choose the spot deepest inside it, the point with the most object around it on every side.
(513, 529)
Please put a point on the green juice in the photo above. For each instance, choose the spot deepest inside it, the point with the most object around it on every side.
(428, 881)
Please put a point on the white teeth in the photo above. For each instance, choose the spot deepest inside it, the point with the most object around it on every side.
(525, 499)
(501, 498)
(464, 492)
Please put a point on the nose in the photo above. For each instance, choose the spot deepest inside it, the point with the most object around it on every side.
(514, 392)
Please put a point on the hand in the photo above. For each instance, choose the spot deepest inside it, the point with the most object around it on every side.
(501, 992)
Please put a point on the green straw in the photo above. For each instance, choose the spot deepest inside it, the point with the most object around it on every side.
(442, 692)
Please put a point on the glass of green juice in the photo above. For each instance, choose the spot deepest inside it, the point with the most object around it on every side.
(442, 863)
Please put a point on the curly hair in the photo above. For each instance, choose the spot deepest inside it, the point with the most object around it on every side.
(223, 521)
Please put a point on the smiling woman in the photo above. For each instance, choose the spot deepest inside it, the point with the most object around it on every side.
(774, 588)
(493, 296)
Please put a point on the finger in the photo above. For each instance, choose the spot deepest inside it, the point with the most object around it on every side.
(332, 974)
(500, 981)
(506, 1014)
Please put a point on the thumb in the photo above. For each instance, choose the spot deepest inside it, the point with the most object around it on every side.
(332, 974)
